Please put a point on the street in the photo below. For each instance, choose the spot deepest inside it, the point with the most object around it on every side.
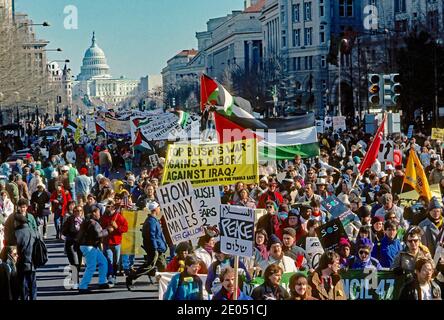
(51, 279)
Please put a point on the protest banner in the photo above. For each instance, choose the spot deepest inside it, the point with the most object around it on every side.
(335, 206)
(212, 164)
(314, 251)
(165, 279)
(330, 233)
(339, 123)
(437, 134)
(209, 202)
(181, 211)
(237, 230)
(132, 240)
(117, 128)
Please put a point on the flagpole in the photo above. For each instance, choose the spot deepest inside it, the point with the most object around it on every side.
(236, 278)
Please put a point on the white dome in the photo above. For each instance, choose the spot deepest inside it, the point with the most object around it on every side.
(94, 63)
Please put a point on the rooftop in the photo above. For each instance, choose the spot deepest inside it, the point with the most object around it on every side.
(256, 7)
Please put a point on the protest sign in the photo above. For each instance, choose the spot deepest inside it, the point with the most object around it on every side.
(339, 123)
(237, 230)
(437, 134)
(116, 128)
(209, 201)
(314, 251)
(330, 233)
(335, 206)
(410, 131)
(319, 126)
(386, 151)
(181, 211)
(154, 160)
(132, 240)
(212, 165)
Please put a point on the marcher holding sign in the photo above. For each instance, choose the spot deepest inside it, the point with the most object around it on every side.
(181, 211)
(209, 202)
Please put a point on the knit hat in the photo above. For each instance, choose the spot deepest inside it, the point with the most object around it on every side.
(434, 204)
(289, 231)
(365, 243)
(343, 242)
(83, 171)
(293, 213)
(376, 219)
(274, 239)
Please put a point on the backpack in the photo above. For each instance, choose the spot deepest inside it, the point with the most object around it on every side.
(39, 253)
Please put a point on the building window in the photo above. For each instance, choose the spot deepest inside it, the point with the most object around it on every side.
(283, 15)
(400, 6)
(297, 38)
(433, 20)
(298, 63)
(307, 11)
(346, 8)
(324, 84)
(322, 37)
(321, 8)
(295, 12)
(307, 36)
(308, 63)
(323, 62)
(284, 39)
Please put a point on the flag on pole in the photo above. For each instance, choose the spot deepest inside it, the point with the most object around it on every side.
(416, 177)
(372, 153)
(183, 118)
(100, 129)
(69, 126)
(141, 143)
(213, 93)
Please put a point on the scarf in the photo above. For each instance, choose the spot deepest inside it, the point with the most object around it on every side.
(263, 251)
(438, 223)
(209, 249)
(230, 295)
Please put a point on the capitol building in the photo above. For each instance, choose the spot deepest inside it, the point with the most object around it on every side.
(96, 81)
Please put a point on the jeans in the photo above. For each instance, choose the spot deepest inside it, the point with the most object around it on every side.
(112, 253)
(74, 255)
(105, 171)
(57, 224)
(93, 257)
(28, 285)
(149, 267)
(72, 186)
(127, 261)
(96, 170)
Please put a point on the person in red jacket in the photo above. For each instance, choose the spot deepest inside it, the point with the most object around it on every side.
(111, 244)
(177, 264)
(59, 200)
(270, 195)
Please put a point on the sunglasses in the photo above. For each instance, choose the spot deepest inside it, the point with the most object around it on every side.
(270, 207)
(364, 253)
(413, 240)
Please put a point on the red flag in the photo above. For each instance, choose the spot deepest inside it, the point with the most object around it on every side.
(229, 131)
(208, 89)
(372, 153)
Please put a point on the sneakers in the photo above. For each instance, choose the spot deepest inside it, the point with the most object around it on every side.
(84, 291)
(104, 286)
(129, 283)
(75, 287)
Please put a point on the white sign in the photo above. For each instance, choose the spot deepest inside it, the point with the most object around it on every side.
(154, 159)
(209, 201)
(328, 122)
(320, 126)
(339, 123)
(386, 151)
(237, 230)
(314, 251)
(181, 211)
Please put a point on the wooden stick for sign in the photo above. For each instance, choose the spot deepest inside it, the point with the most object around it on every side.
(356, 180)
(236, 278)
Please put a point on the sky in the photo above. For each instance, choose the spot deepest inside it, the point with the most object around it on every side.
(137, 36)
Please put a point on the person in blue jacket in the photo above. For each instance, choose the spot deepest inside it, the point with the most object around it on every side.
(212, 284)
(186, 285)
(363, 260)
(390, 245)
(227, 292)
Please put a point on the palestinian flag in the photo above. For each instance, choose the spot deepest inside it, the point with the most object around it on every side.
(69, 126)
(214, 94)
(183, 118)
(141, 143)
(140, 122)
(100, 129)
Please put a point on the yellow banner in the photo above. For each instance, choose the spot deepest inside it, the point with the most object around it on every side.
(212, 164)
(437, 134)
(415, 175)
(407, 197)
(132, 240)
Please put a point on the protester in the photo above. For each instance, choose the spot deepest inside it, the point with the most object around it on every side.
(186, 285)
(299, 287)
(9, 283)
(40, 203)
(325, 282)
(205, 250)
(389, 247)
(271, 288)
(422, 287)
(9, 228)
(59, 200)
(432, 226)
(227, 279)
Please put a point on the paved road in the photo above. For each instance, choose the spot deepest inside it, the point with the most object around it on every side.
(51, 279)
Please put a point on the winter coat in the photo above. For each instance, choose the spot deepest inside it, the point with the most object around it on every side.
(412, 291)
(265, 292)
(83, 185)
(115, 237)
(286, 263)
(430, 236)
(336, 291)
(404, 262)
(273, 196)
(105, 159)
(6, 208)
(205, 256)
(180, 288)
(223, 295)
(153, 237)
(91, 233)
(355, 263)
(9, 286)
(41, 203)
(23, 189)
(26, 238)
(387, 251)
(212, 284)
(71, 227)
(9, 232)
(13, 192)
(61, 207)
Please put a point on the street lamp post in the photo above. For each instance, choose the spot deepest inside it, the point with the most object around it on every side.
(437, 43)
(1, 111)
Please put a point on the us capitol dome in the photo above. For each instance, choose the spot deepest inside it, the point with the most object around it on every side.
(94, 63)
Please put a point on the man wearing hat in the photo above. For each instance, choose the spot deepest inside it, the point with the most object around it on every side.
(437, 173)
(277, 257)
(272, 194)
(154, 244)
(432, 226)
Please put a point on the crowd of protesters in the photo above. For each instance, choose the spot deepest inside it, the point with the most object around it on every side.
(83, 188)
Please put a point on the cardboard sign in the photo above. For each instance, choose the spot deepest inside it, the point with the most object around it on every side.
(330, 233)
(237, 230)
(386, 151)
(209, 201)
(335, 206)
(212, 165)
(314, 251)
(181, 211)
(437, 134)
(117, 128)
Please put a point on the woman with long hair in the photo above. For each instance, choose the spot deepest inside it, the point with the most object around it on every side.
(299, 287)
(271, 288)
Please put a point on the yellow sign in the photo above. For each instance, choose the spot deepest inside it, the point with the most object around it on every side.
(437, 134)
(132, 240)
(413, 195)
(212, 164)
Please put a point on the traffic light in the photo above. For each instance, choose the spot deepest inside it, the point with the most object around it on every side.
(396, 87)
(387, 90)
(374, 88)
